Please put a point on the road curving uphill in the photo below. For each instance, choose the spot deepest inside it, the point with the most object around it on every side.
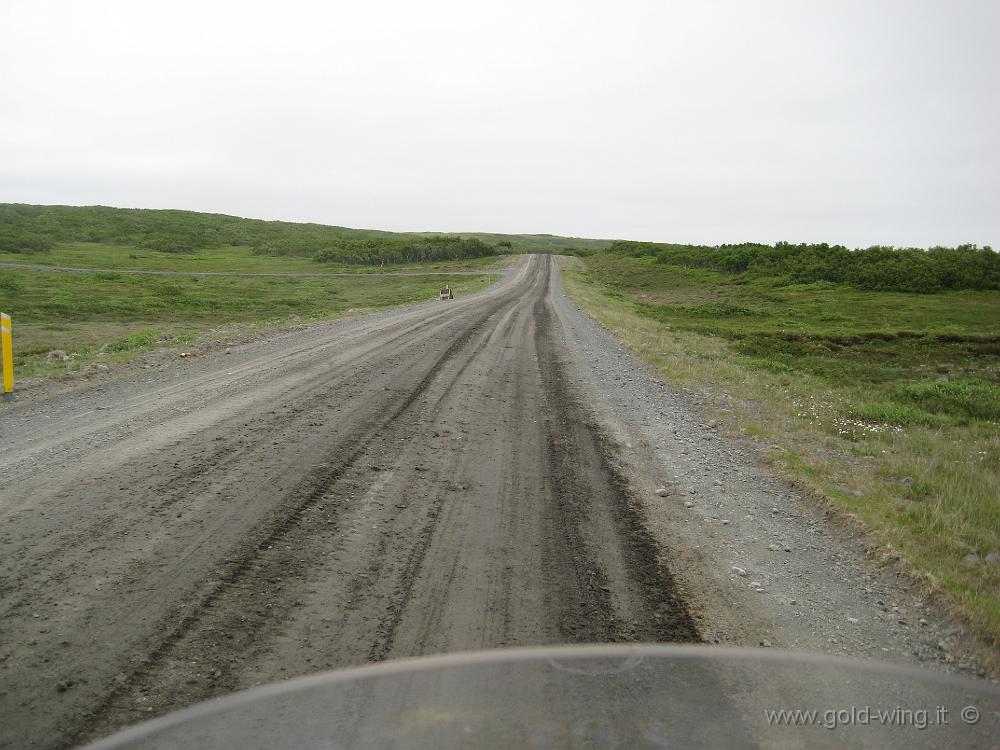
(411, 482)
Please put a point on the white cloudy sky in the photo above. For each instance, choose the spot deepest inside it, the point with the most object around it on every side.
(851, 121)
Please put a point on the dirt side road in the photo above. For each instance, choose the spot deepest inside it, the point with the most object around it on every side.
(443, 477)
(408, 483)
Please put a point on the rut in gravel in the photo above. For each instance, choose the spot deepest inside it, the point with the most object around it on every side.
(431, 486)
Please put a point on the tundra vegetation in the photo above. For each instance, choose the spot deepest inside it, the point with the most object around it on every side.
(873, 375)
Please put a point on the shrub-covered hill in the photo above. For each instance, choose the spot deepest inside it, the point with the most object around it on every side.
(874, 268)
(34, 229)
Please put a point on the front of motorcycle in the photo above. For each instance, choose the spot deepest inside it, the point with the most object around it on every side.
(616, 696)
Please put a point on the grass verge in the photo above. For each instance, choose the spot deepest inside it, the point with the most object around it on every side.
(884, 403)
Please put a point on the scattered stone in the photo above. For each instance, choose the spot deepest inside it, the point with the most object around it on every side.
(662, 492)
(688, 504)
(853, 620)
(740, 571)
(993, 558)
(725, 522)
(906, 481)
(793, 602)
(228, 350)
(63, 685)
(774, 548)
(971, 560)
(57, 355)
(923, 621)
(165, 337)
(765, 643)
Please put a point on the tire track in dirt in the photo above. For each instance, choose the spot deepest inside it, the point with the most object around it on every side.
(137, 558)
(653, 610)
(146, 678)
(411, 329)
(307, 494)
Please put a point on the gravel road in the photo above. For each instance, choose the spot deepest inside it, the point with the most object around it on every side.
(448, 476)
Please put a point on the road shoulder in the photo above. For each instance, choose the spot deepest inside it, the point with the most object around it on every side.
(757, 559)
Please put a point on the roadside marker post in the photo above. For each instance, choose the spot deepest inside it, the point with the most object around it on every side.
(7, 355)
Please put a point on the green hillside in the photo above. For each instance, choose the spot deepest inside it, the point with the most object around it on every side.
(35, 230)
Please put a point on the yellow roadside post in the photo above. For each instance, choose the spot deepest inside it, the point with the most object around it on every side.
(7, 354)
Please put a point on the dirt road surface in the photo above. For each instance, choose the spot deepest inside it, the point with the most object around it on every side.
(411, 484)
(429, 479)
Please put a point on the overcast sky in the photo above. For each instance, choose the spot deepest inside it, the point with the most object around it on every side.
(857, 122)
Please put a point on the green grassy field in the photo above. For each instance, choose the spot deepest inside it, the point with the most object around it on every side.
(108, 316)
(886, 403)
(239, 259)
